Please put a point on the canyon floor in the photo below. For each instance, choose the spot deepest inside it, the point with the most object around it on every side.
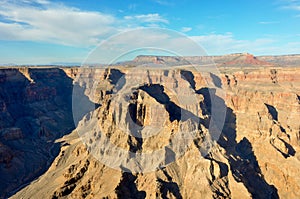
(154, 127)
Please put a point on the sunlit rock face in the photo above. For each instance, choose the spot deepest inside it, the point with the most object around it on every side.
(255, 156)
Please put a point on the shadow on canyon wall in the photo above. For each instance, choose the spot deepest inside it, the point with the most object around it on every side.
(43, 112)
(36, 110)
(240, 155)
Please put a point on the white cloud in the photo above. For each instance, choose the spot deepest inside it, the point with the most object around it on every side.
(53, 23)
(186, 29)
(44, 21)
(142, 41)
(292, 7)
(36, 1)
(132, 6)
(290, 4)
(162, 2)
(268, 22)
(227, 43)
(166, 42)
(148, 18)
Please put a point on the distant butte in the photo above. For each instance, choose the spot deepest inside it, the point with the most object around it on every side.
(230, 60)
(246, 59)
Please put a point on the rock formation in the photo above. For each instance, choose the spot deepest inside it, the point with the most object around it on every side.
(255, 155)
(35, 111)
(283, 60)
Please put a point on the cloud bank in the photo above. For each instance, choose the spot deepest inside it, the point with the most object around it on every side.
(43, 21)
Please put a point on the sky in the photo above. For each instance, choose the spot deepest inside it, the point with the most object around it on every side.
(67, 31)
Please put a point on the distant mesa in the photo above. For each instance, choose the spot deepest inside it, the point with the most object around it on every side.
(152, 59)
(159, 60)
(246, 59)
(231, 60)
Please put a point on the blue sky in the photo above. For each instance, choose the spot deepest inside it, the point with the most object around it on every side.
(44, 31)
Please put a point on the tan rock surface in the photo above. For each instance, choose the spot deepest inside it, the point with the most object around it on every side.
(256, 155)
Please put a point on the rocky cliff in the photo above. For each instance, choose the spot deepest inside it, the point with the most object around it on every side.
(255, 155)
(231, 60)
(35, 109)
(283, 60)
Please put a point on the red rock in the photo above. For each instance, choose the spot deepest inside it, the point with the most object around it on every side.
(246, 60)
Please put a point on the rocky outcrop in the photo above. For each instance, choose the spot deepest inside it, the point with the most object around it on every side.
(35, 106)
(12, 134)
(148, 110)
(283, 60)
(246, 60)
(255, 156)
(6, 155)
(266, 105)
(231, 60)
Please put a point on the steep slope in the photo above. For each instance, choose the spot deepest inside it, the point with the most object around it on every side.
(255, 156)
(35, 111)
(246, 60)
(266, 104)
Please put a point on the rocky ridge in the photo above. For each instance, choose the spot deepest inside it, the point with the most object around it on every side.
(35, 111)
(255, 156)
(231, 60)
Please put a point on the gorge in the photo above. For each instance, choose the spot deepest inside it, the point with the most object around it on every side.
(48, 151)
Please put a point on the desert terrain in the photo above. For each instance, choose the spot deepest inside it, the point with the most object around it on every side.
(244, 119)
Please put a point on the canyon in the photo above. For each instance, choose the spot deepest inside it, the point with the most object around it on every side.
(171, 130)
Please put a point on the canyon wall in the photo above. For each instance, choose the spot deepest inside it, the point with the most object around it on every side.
(255, 155)
(35, 109)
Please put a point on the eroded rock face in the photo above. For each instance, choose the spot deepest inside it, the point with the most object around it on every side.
(256, 154)
(230, 60)
(286, 60)
(35, 109)
(267, 110)
(245, 60)
(12, 134)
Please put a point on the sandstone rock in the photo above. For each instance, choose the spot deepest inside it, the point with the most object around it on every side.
(255, 156)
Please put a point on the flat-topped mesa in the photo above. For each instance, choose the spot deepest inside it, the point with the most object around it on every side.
(284, 60)
(230, 60)
(161, 60)
(181, 60)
